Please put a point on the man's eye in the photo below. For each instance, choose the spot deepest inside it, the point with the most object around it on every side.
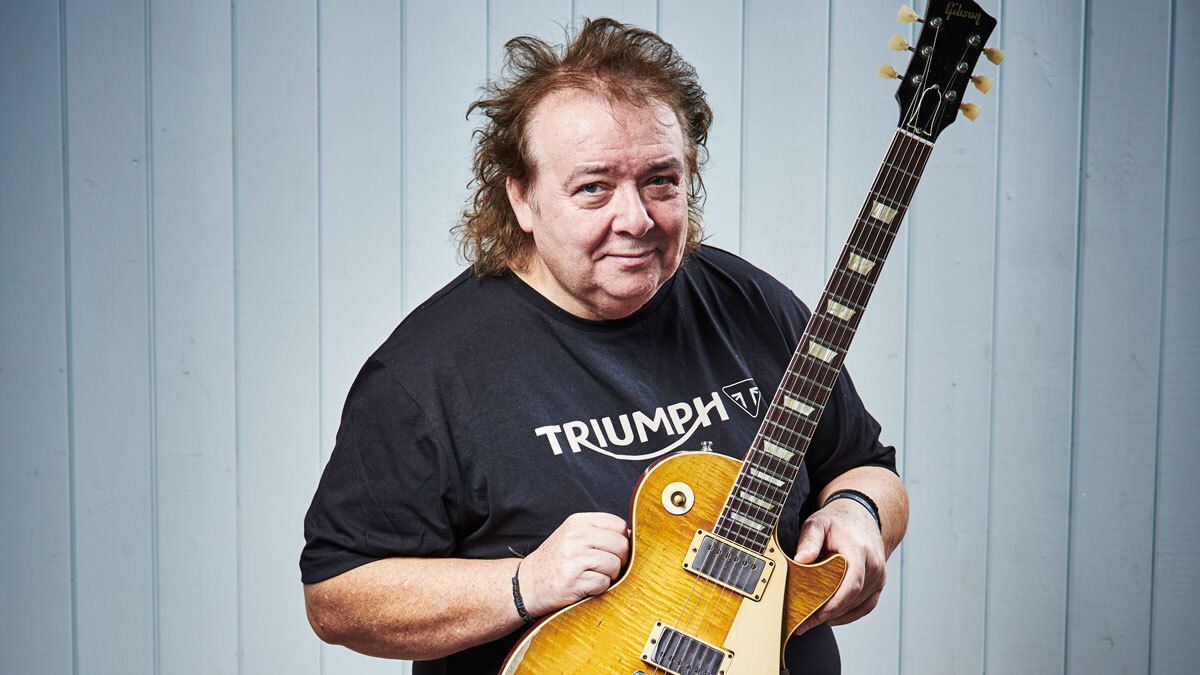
(662, 180)
(591, 188)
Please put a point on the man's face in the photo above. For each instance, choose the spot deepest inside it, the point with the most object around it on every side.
(608, 207)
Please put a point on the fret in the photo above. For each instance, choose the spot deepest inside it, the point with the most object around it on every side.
(821, 386)
(822, 365)
(887, 201)
(839, 310)
(866, 221)
(832, 329)
(801, 438)
(762, 486)
(844, 301)
(893, 167)
(799, 404)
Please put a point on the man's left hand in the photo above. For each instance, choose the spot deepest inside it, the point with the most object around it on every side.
(845, 527)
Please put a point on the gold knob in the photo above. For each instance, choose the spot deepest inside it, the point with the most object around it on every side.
(897, 43)
(906, 15)
(970, 111)
(994, 54)
(887, 72)
(678, 499)
(982, 82)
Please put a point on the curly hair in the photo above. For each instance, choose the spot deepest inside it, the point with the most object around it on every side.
(620, 62)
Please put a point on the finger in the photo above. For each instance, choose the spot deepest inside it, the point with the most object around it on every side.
(858, 612)
(607, 521)
(605, 563)
(593, 583)
(812, 539)
(609, 542)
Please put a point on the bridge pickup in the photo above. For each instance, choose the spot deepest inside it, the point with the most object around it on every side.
(728, 564)
(682, 654)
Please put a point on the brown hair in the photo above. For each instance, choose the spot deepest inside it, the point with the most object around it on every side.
(621, 62)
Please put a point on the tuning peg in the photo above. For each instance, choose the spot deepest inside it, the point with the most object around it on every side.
(982, 82)
(907, 15)
(970, 111)
(994, 54)
(888, 73)
(897, 43)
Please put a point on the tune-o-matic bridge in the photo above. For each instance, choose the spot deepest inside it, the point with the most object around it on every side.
(728, 564)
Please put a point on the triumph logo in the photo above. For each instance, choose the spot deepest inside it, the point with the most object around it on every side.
(745, 394)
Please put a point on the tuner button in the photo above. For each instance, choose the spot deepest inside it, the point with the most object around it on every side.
(982, 82)
(897, 43)
(906, 15)
(887, 72)
(994, 54)
(970, 111)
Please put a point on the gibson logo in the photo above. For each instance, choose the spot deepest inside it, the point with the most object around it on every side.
(955, 9)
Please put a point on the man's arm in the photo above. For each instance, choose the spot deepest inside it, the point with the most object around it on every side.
(426, 608)
(846, 527)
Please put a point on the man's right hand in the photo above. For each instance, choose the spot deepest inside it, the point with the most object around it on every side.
(580, 559)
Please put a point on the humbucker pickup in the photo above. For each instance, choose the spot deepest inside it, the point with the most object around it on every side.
(728, 564)
(681, 654)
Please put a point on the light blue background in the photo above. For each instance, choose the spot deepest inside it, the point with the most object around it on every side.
(210, 214)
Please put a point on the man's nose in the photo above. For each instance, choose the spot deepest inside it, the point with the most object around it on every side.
(631, 216)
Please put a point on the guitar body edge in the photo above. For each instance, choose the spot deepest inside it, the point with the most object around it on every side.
(609, 633)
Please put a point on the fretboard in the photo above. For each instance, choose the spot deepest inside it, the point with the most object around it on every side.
(769, 470)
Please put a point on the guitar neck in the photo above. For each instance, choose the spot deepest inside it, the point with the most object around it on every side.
(752, 511)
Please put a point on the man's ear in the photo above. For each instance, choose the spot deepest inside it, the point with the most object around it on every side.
(522, 206)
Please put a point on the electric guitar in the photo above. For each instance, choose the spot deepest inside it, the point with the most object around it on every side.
(708, 590)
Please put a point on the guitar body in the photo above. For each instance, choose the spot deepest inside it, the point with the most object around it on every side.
(609, 633)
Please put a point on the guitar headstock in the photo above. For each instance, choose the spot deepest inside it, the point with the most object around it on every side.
(953, 35)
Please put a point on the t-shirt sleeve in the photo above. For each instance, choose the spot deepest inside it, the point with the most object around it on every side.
(388, 487)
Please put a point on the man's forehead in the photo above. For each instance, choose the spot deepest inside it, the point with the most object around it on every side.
(578, 120)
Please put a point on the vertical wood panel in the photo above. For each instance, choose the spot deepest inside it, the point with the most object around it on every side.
(507, 19)
(191, 113)
(360, 214)
(1034, 327)
(642, 13)
(444, 62)
(862, 116)
(709, 36)
(950, 324)
(783, 143)
(1175, 620)
(275, 155)
(1117, 357)
(110, 337)
(35, 501)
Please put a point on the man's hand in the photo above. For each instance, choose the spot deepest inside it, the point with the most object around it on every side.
(845, 527)
(579, 559)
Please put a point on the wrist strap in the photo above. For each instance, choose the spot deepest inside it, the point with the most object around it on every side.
(859, 497)
(529, 620)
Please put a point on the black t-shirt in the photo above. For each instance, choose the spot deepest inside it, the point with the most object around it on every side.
(490, 415)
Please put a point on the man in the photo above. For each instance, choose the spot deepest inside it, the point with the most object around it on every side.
(500, 430)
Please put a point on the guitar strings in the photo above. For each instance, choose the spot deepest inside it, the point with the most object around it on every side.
(878, 244)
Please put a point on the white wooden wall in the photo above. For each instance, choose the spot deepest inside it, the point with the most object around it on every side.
(210, 213)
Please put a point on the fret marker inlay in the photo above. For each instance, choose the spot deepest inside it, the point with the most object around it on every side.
(883, 213)
(859, 264)
(799, 406)
(821, 351)
(778, 450)
(839, 310)
(748, 522)
(760, 503)
(766, 477)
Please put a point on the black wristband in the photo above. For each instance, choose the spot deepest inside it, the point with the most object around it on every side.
(529, 620)
(859, 497)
